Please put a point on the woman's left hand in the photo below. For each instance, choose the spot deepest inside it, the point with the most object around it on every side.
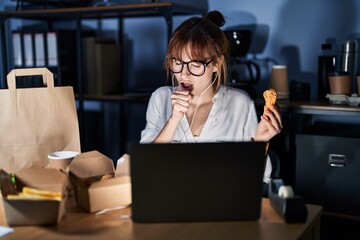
(269, 125)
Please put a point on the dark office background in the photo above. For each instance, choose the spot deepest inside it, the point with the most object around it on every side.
(288, 32)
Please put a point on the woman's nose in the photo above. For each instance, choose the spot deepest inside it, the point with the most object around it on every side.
(185, 70)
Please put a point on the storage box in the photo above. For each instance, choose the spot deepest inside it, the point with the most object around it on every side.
(35, 212)
(327, 172)
(96, 184)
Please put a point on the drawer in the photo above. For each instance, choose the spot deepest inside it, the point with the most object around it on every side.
(328, 172)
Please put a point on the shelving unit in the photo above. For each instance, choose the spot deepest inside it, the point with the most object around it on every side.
(119, 12)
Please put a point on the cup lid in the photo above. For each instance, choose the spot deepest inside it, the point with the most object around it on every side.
(334, 73)
(62, 155)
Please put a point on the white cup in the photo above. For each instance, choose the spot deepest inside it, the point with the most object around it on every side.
(279, 80)
(61, 159)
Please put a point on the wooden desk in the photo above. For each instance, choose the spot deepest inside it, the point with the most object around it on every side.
(78, 224)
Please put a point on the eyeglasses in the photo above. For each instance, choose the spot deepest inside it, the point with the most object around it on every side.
(195, 67)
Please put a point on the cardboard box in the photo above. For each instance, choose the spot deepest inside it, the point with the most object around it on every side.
(34, 212)
(97, 186)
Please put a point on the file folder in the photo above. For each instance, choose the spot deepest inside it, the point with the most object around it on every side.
(17, 49)
(28, 50)
(52, 60)
(39, 50)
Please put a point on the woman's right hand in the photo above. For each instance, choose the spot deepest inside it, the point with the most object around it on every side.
(180, 101)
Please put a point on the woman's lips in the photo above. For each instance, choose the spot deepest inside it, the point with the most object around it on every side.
(186, 86)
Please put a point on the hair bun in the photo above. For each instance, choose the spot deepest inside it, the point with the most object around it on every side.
(216, 17)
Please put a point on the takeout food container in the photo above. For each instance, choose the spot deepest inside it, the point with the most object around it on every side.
(30, 211)
(97, 186)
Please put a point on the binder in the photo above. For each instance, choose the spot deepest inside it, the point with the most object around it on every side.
(89, 64)
(39, 50)
(52, 51)
(101, 69)
(28, 50)
(107, 62)
(17, 49)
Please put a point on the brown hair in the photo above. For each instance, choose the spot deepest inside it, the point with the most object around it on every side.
(206, 40)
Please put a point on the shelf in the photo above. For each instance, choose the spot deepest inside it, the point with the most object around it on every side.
(323, 107)
(114, 11)
(314, 107)
(133, 97)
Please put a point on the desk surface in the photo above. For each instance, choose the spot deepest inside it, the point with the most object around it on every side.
(78, 224)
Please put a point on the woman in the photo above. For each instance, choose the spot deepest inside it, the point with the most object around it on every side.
(201, 108)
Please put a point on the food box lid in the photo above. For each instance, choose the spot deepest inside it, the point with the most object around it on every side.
(43, 178)
(91, 165)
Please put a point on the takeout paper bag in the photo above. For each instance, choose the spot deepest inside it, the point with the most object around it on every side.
(36, 121)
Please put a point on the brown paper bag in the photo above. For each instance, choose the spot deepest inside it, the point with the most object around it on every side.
(36, 121)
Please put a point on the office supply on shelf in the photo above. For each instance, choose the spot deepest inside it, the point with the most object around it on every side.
(28, 50)
(102, 61)
(197, 181)
(62, 56)
(89, 64)
(342, 99)
(107, 62)
(52, 50)
(39, 49)
(17, 48)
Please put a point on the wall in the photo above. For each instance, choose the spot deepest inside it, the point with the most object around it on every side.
(296, 29)
(290, 32)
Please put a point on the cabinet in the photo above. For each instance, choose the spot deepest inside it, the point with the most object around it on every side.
(323, 155)
(327, 170)
(76, 15)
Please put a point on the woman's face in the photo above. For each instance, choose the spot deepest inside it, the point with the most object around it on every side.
(188, 81)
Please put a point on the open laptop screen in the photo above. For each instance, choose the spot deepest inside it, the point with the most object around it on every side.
(197, 181)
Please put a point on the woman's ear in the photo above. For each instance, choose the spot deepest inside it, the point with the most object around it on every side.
(218, 63)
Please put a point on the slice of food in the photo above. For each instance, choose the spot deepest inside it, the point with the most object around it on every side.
(36, 194)
(31, 197)
(270, 96)
(45, 193)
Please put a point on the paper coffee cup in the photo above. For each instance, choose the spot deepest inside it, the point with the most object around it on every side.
(279, 80)
(61, 159)
(340, 84)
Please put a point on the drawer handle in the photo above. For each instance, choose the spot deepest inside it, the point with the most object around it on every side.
(337, 160)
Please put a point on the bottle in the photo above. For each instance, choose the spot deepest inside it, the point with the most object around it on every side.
(326, 65)
(349, 59)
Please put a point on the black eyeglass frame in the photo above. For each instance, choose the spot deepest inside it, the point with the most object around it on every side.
(205, 64)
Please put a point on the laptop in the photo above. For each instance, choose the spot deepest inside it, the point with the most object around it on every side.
(192, 182)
